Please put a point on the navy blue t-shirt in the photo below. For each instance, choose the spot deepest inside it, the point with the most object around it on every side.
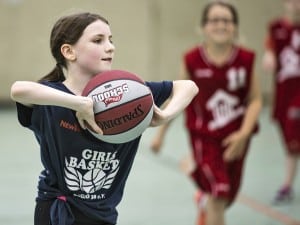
(91, 174)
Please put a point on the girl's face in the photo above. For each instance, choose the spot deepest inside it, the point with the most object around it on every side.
(219, 27)
(94, 50)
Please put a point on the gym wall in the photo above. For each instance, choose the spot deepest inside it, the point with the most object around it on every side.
(150, 35)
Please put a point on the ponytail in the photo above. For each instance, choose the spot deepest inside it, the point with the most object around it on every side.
(55, 75)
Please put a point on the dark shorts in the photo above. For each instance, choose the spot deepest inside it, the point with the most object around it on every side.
(42, 215)
(212, 174)
(290, 129)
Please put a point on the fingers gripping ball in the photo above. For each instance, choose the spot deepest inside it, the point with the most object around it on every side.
(123, 105)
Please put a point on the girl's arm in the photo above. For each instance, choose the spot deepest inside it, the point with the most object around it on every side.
(269, 63)
(253, 109)
(31, 93)
(235, 143)
(184, 91)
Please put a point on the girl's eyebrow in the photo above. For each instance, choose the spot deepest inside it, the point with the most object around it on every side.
(102, 35)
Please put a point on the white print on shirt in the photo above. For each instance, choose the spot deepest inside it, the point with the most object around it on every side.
(203, 73)
(295, 41)
(293, 113)
(236, 78)
(289, 59)
(101, 168)
(224, 109)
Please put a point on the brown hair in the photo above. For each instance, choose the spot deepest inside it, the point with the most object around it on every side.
(67, 30)
(230, 7)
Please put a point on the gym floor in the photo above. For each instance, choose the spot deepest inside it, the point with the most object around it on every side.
(157, 192)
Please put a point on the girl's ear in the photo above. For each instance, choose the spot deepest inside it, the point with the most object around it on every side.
(68, 52)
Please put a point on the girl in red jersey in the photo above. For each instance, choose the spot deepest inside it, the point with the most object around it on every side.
(282, 58)
(222, 118)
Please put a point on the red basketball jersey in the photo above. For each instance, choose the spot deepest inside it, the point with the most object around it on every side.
(285, 41)
(219, 107)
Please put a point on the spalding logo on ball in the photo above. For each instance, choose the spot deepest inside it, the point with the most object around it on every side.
(123, 105)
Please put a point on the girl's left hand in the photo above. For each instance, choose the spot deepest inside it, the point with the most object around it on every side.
(235, 145)
(85, 115)
(158, 117)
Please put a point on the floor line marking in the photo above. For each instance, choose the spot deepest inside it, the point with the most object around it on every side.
(267, 210)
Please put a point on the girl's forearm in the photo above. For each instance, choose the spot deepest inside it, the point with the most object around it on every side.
(183, 93)
(251, 116)
(32, 93)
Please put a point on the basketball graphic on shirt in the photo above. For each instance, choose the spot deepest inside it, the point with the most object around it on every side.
(92, 181)
(73, 178)
(123, 105)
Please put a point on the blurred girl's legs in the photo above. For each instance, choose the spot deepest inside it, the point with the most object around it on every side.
(285, 193)
(290, 131)
(218, 182)
(215, 211)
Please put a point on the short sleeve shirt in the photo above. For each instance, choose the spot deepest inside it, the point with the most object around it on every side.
(89, 172)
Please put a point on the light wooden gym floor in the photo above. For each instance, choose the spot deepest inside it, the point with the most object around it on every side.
(157, 192)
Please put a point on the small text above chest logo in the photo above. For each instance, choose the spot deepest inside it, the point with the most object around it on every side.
(70, 126)
(203, 73)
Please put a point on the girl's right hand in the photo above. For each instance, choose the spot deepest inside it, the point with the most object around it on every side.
(86, 117)
(158, 117)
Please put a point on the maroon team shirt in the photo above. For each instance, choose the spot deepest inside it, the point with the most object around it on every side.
(284, 40)
(219, 107)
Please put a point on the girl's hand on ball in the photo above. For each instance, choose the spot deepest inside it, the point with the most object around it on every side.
(85, 115)
(158, 117)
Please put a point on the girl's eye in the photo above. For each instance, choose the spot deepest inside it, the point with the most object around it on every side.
(98, 41)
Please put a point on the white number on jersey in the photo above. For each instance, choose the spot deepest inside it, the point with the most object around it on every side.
(236, 78)
(290, 62)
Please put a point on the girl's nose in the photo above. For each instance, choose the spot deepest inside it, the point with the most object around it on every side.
(110, 47)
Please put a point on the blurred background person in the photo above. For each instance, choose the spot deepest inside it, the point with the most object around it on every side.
(222, 118)
(282, 59)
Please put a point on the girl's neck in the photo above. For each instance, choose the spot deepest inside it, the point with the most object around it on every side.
(218, 54)
(76, 83)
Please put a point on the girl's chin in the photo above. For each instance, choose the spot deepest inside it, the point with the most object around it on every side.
(101, 71)
(222, 42)
(107, 68)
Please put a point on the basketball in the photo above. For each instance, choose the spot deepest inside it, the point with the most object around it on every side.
(123, 105)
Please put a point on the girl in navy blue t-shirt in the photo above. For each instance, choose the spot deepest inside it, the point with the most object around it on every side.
(83, 178)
